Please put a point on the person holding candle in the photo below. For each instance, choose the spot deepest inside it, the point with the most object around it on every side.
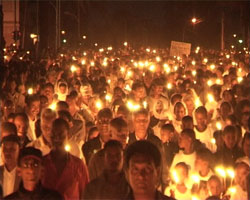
(215, 188)
(63, 172)
(181, 188)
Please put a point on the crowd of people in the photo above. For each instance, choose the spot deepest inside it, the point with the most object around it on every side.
(125, 123)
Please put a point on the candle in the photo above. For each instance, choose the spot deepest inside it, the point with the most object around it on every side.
(218, 125)
(169, 86)
(52, 106)
(210, 97)
(30, 91)
(73, 68)
(175, 176)
(67, 147)
(231, 174)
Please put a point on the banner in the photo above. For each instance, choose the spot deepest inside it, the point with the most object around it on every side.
(180, 48)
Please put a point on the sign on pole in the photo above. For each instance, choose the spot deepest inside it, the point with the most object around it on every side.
(180, 48)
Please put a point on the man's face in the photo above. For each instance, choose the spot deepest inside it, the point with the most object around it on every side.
(46, 126)
(184, 141)
(59, 137)
(214, 187)
(241, 173)
(30, 170)
(119, 136)
(201, 164)
(179, 113)
(141, 123)
(166, 135)
(10, 152)
(21, 126)
(113, 159)
(190, 106)
(103, 125)
(158, 89)
(48, 92)
(142, 174)
(34, 108)
(230, 139)
(140, 93)
(201, 120)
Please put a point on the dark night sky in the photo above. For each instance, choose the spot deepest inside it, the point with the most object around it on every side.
(154, 23)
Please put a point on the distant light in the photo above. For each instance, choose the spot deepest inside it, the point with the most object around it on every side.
(84, 37)
(194, 20)
(234, 35)
(125, 44)
(32, 36)
(73, 68)
(63, 32)
(232, 46)
(28, 52)
(96, 44)
(64, 40)
(240, 41)
(67, 147)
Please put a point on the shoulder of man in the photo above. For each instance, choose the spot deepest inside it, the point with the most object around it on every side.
(51, 194)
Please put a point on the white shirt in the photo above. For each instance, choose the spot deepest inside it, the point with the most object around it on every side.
(189, 159)
(31, 131)
(206, 138)
(39, 144)
(238, 195)
(8, 181)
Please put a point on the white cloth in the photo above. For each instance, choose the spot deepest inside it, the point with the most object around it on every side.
(238, 195)
(39, 144)
(177, 194)
(31, 130)
(189, 159)
(8, 181)
(206, 138)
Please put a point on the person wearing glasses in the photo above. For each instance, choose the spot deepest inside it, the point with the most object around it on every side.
(30, 170)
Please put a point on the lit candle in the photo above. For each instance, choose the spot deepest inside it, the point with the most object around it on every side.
(175, 176)
(169, 86)
(30, 91)
(218, 125)
(52, 106)
(231, 174)
(67, 147)
(125, 44)
(210, 97)
(98, 104)
(73, 68)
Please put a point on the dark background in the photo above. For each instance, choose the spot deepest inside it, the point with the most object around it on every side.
(147, 23)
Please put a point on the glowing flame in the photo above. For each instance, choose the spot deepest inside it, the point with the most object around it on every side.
(30, 91)
(219, 125)
(210, 97)
(169, 86)
(98, 105)
(67, 147)
(73, 68)
(231, 173)
(52, 106)
(175, 176)
(220, 171)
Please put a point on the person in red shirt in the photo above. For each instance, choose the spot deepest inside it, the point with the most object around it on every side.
(64, 172)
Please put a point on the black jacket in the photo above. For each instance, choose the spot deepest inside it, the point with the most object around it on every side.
(40, 193)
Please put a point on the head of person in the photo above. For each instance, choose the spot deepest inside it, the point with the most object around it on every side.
(93, 133)
(48, 91)
(218, 136)
(186, 139)
(123, 112)
(225, 110)
(167, 133)
(138, 90)
(32, 106)
(59, 134)
(113, 156)
(215, 187)
(203, 161)
(21, 121)
(187, 122)
(44, 102)
(62, 105)
(229, 136)
(86, 92)
(8, 107)
(7, 128)
(62, 87)
(201, 117)
(47, 118)
(119, 130)
(143, 167)
(141, 120)
(175, 98)
(241, 172)
(104, 117)
(30, 167)
(157, 87)
(181, 170)
(189, 102)
(10, 147)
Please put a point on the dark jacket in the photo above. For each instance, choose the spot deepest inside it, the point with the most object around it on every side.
(158, 196)
(91, 147)
(40, 193)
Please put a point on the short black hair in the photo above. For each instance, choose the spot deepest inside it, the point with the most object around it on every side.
(105, 113)
(189, 132)
(145, 148)
(112, 143)
(118, 123)
(168, 127)
(11, 138)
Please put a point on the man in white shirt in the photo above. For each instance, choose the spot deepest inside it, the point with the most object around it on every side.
(8, 174)
(43, 142)
(203, 131)
(187, 154)
(32, 110)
